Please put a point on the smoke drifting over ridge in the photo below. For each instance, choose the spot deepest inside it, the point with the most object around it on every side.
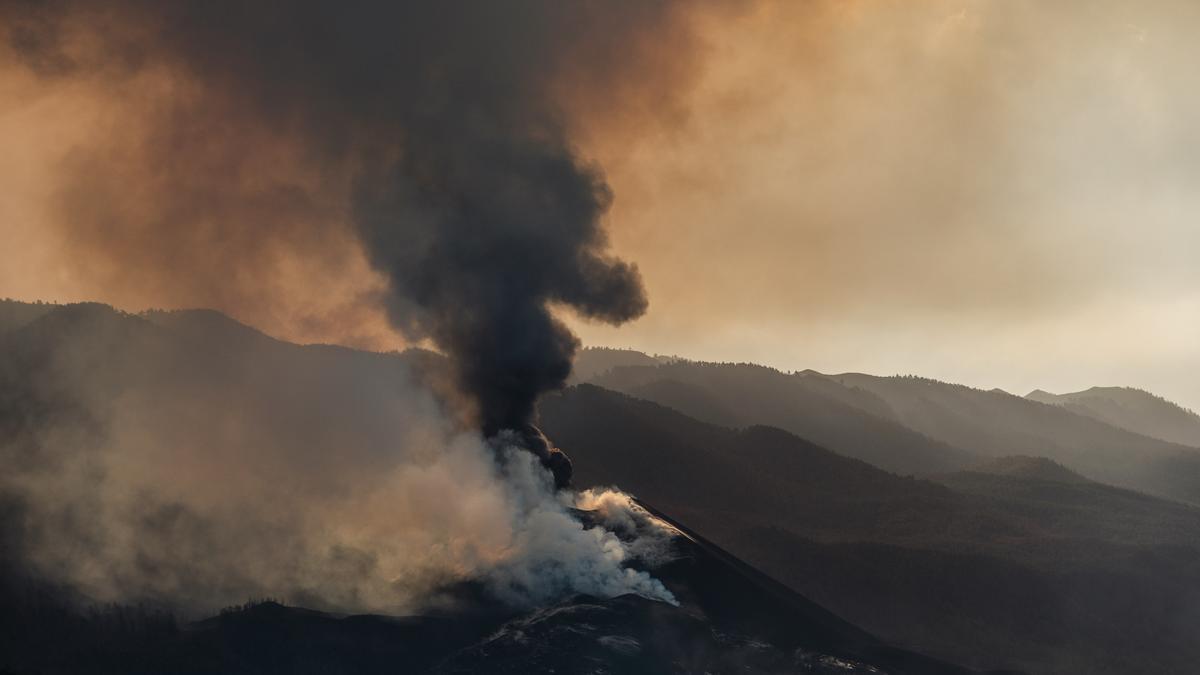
(183, 459)
(433, 134)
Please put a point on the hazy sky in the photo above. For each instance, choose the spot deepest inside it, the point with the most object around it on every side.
(997, 193)
(1000, 193)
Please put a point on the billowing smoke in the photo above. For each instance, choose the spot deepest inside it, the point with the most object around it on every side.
(436, 133)
(248, 140)
(479, 230)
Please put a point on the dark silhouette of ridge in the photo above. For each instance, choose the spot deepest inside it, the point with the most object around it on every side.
(1134, 409)
(981, 569)
(593, 361)
(14, 314)
(739, 595)
(854, 423)
(1029, 468)
(998, 424)
(913, 425)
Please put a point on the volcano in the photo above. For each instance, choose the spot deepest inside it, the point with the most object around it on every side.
(727, 616)
(730, 618)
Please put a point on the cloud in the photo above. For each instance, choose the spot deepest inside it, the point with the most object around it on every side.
(890, 185)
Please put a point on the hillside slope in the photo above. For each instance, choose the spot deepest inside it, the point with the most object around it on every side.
(998, 424)
(593, 361)
(854, 423)
(1024, 467)
(1133, 409)
(1003, 576)
(913, 425)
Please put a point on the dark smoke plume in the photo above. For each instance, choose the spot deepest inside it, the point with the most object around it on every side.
(449, 119)
(477, 247)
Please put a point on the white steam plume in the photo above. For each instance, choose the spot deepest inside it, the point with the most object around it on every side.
(185, 465)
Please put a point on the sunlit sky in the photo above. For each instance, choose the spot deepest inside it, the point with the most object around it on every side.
(1001, 193)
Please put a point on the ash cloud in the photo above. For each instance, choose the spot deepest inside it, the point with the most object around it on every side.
(435, 137)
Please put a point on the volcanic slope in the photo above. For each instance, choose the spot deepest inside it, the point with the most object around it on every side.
(977, 568)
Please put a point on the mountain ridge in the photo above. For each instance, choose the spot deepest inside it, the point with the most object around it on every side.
(921, 563)
(913, 425)
(979, 568)
(1130, 408)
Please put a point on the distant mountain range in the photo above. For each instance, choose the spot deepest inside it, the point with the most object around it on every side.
(1133, 409)
(913, 425)
(980, 528)
(854, 422)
